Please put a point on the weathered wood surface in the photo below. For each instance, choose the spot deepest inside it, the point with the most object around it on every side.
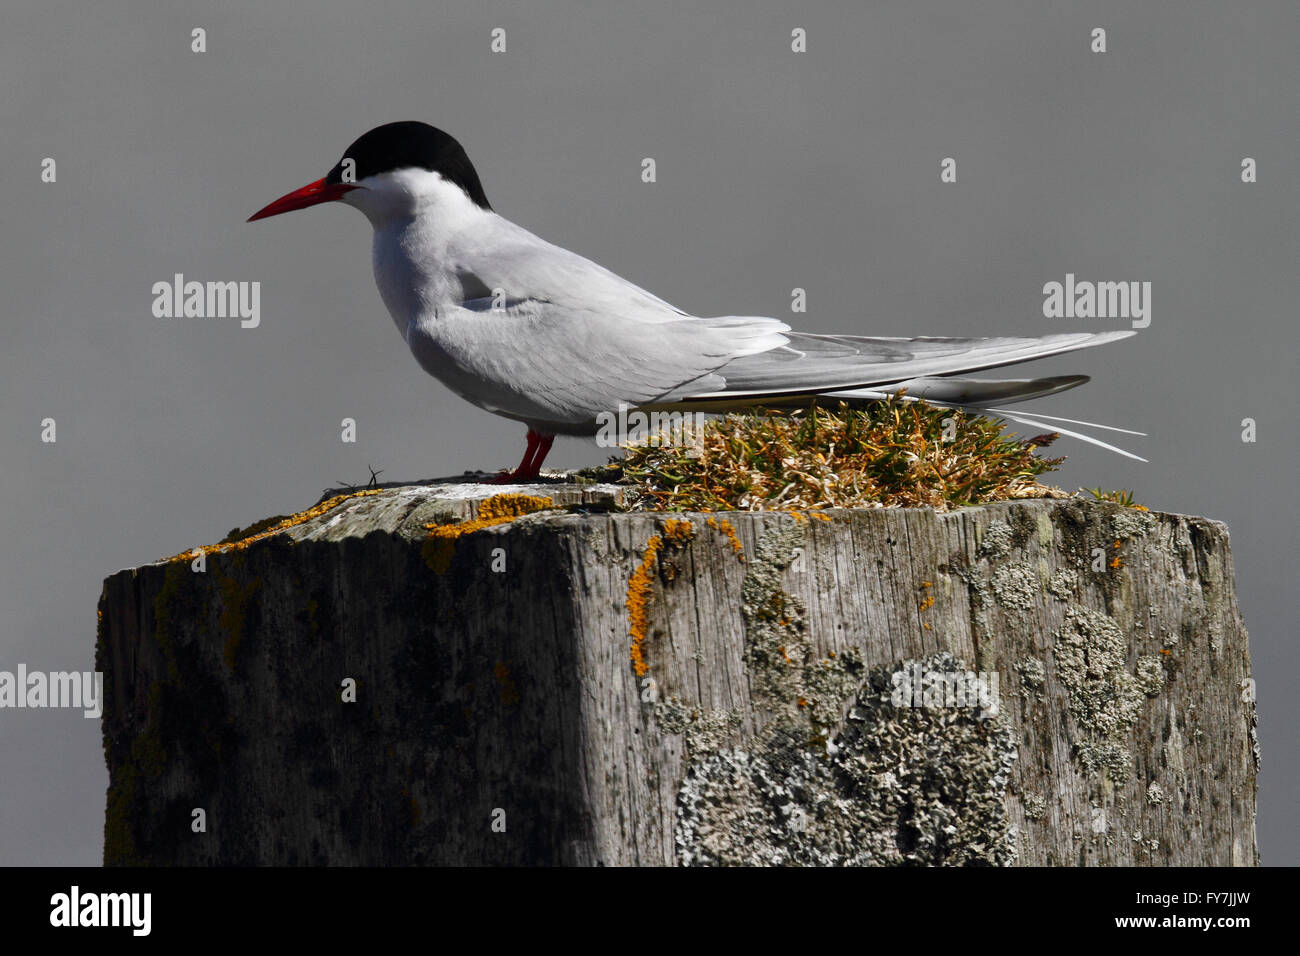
(496, 688)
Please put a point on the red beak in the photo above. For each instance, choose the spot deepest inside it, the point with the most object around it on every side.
(310, 195)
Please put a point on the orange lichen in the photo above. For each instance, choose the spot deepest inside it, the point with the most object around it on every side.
(638, 604)
(725, 527)
(440, 546)
(284, 525)
(506, 506)
(927, 602)
(806, 515)
(677, 531)
(674, 533)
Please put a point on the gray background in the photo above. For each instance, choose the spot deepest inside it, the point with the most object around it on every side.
(776, 170)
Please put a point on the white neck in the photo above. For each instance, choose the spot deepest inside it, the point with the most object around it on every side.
(418, 219)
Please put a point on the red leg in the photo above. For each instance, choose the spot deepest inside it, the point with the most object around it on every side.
(544, 443)
(530, 466)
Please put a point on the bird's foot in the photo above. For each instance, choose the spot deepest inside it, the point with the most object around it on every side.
(531, 467)
(512, 477)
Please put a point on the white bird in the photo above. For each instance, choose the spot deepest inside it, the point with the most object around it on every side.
(539, 334)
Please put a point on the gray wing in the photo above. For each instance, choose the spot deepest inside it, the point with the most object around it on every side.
(575, 339)
(572, 339)
(814, 364)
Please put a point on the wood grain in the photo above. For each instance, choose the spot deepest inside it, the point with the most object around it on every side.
(767, 729)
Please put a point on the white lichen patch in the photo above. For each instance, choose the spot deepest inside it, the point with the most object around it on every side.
(672, 715)
(1098, 820)
(704, 729)
(1016, 588)
(803, 693)
(1063, 584)
(1151, 674)
(998, 540)
(1103, 698)
(1216, 636)
(1131, 523)
(1155, 794)
(1145, 845)
(897, 785)
(1035, 806)
(1032, 677)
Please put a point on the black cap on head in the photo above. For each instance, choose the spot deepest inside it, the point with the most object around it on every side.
(412, 144)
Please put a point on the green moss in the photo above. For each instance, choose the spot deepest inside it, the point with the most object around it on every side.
(146, 760)
(119, 835)
(147, 752)
(1119, 497)
(186, 719)
(175, 577)
(892, 453)
(235, 601)
(144, 755)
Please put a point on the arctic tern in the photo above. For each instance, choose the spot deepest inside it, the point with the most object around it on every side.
(536, 333)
